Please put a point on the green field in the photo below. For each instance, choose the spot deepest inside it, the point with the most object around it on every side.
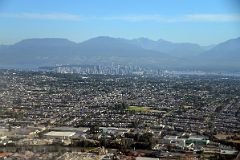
(139, 109)
(142, 109)
(224, 137)
(234, 141)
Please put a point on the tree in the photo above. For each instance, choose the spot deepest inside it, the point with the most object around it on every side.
(94, 128)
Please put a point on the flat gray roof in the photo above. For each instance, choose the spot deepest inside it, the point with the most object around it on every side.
(60, 134)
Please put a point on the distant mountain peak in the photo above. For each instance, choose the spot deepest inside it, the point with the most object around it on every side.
(225, 50)
(163, 41)
(105, 49)
(142, 39)
(45, 41)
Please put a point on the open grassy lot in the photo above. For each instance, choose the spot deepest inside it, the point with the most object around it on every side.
(138, 108)
(234, 141)
(141, 109)
(224, 137)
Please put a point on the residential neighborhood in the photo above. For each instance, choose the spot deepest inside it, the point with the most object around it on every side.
(48, 115)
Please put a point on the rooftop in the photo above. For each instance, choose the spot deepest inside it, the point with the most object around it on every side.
(60, 134)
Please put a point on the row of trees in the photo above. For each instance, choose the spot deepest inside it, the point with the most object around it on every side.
(129, 141)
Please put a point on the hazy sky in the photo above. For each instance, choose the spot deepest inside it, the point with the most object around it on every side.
(199, 21)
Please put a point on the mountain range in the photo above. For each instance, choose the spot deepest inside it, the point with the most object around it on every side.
(106, 50)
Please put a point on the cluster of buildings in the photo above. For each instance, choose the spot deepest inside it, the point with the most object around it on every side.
(100, 69)
(133, 116)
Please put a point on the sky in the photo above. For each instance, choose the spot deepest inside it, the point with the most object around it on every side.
(204, 22)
